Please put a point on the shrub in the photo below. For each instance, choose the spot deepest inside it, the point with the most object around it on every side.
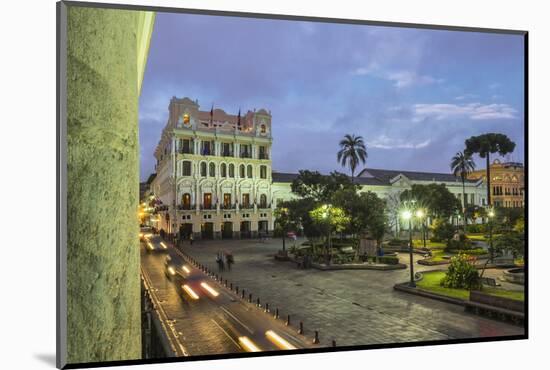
(459, 244)
(388, 260)
(461, 274)
(470, 252)
(397, 242)
(476, 228)
(442, 231)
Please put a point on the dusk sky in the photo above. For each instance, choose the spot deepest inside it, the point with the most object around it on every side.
(414, 95)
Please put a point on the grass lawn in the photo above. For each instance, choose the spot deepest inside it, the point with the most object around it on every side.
(418, 243)
(430, 282)
(437, 255)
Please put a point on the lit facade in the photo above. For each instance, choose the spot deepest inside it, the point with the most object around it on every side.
(507, 183)
(214, 172)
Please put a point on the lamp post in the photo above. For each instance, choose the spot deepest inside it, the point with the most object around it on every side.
(326, 215)
(420, 215)
(407, 216)
(491, 214)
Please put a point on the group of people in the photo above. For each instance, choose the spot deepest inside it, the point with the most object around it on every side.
(223, 259)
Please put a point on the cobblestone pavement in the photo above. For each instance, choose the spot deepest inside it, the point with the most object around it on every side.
(353, 307)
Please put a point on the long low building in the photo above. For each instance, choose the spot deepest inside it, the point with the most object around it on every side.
(214, 175)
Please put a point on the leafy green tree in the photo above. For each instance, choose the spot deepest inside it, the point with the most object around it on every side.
(462, 165)
(329, 219)
(442, 230)
(485, 145)
(436, 199)
(312, 184)
(284, 221)
(298, 214)
(512, 242)
(366, 212)
(352, 152)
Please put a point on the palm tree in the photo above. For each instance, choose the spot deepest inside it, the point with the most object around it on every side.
(462, 165)
(352, 151)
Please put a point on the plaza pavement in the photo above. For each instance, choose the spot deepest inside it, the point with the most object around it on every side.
(352, 307)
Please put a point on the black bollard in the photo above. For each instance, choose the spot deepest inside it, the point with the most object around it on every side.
(287, 320)
(316, 339)
(258, 302)
(231, 287)
(267, 307)
(277, 312)
(250, 298)
(301, 330)
(333, 343)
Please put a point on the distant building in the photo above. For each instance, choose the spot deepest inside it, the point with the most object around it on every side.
(384, 182)
(507, 183)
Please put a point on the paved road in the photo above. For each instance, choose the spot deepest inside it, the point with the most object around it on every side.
(211, 324)
(351, 307)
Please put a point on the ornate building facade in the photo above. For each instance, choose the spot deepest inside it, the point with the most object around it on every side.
(214, 172)
(507, 183)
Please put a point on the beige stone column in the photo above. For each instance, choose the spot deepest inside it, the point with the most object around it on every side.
(103, 267)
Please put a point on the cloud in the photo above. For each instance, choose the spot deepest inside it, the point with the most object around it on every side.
(399, 78)
(473, 111)
(466, 97)
(384, 142)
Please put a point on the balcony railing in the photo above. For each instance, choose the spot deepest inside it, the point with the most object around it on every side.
(208, 206)
(186, 207)
(185, 151)
(246, 155)
(263, 156)
(247, 206)
(227, 153)
(228, 206)
(264, 206)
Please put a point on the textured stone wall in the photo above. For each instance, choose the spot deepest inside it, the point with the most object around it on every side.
(103, 283)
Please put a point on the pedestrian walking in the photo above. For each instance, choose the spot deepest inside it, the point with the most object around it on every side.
(191, 239)
(230, 261)
(219, 261)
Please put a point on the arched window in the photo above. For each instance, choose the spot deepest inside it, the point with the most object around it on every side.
(186, 201)
(212, 169)
(241, 171)
(263, 201)
(223, 170)
(263, 172)
(249, 171)
(231, 170)
(186, 168)
(203, 169)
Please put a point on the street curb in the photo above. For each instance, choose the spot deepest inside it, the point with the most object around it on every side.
(399, 266)
(403, 287)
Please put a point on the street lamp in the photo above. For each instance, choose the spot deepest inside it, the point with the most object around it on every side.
(491, 214)
(420, 215)
(407, 216)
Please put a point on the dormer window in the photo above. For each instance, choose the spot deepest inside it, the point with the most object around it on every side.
(263, 129)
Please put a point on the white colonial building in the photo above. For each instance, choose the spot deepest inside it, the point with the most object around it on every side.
(214, 172)
(214, 176)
